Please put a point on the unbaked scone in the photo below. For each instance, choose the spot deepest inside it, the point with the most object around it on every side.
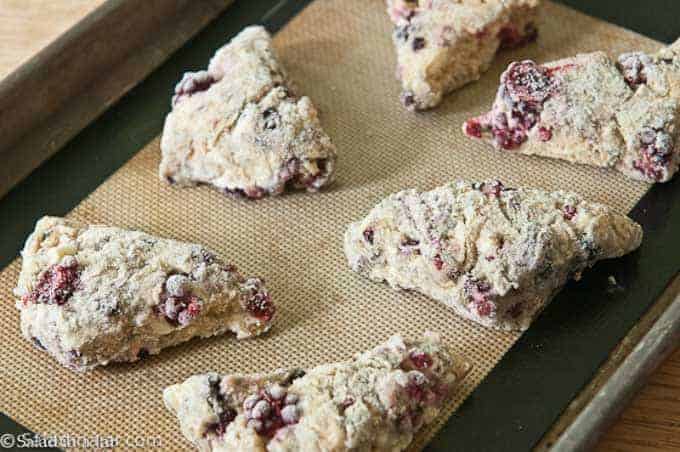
(374, 402)
(495, 255)
(444, 44)
(91, 295)
(589, 109)
(239, 126)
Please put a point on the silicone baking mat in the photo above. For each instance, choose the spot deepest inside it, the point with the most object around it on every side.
(338, 52)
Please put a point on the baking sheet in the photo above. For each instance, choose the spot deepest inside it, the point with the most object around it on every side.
(339, 52)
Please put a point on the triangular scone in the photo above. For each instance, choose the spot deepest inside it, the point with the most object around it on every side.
(588, 109)
(444, 44)
(91, 295)
(493, 254)
(374, 402)
(239, 127)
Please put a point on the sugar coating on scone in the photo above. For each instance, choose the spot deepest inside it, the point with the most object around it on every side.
(374, 402)
(91, 295)
(442, 45)
(239, 127)
(589, 109)
(495, 255)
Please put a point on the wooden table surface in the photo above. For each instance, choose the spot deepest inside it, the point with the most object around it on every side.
(26, 26)
(650, 423)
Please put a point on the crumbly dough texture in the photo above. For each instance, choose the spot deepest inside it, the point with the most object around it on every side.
(239, 126)
(589, 109)
(91, 295)
(374, 402)
(444, 44)
(495, 255)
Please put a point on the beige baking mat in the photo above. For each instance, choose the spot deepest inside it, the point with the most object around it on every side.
(340, 53)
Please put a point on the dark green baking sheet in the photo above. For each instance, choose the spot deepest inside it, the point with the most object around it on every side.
(543, 371)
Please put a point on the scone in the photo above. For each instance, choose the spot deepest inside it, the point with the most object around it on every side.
(494, 255)
(374, 402)
(444, 44)
(91, 295)
(589, 109)
(239, 126)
